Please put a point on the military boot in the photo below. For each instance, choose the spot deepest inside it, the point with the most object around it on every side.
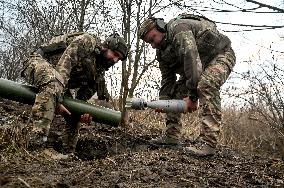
(37, 140)
(201, 149)
(69, 142)
(165, 140)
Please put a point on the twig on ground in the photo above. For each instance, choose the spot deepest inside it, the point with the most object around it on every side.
(24, 182)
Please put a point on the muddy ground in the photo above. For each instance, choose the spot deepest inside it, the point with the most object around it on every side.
(121, 157)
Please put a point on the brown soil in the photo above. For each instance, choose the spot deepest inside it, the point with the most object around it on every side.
(122, 157)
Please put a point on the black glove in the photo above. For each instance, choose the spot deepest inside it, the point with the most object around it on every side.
(105, 97)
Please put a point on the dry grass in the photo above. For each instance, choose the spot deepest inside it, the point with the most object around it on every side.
(244, 131)
(12, 140)
(239, 130)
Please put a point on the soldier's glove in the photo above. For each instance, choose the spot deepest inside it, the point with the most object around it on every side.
(103, 94)
(159, 110)
(86, 118)
(105, 97)
(60, 108)
(192, 105)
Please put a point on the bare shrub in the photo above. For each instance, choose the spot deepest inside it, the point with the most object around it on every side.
(191, 129)
(148, 119)
(242, 130)
(12, 139)
(259, 125)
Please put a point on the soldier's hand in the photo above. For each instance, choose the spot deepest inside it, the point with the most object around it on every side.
(86, 118)
(191, 105)
(62, 110)
(159, 110)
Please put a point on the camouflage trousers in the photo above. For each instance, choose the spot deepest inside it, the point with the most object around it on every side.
(71, 133)
(212, 78)
(38, 72)
(173, 120)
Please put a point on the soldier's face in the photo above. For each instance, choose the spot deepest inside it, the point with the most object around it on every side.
(113, 56)
(154, 38)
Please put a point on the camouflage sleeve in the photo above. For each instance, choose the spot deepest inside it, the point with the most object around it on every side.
(186, 50)
(78, 49)
(168, 81)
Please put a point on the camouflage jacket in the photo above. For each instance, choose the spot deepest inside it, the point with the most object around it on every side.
(74, 56)
(190, 43)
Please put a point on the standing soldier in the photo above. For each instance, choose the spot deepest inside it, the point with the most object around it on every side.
(75, 61)
(192, 47)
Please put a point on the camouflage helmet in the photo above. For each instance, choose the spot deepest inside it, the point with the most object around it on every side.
(117, 43)
(145, 27)
(149, 24)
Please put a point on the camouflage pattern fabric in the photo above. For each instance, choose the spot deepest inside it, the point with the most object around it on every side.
(79, 53)
(173, 121)
(75, 69)
(70, 134)
(194, 49)
(41, 74)
(212, 78)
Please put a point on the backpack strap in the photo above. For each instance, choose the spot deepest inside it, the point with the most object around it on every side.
(58, 43)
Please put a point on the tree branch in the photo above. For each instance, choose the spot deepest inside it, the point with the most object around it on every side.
(267, 6)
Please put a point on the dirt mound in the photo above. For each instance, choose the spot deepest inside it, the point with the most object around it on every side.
(122, 157)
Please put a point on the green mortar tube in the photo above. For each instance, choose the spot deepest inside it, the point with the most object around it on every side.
(26, 94)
